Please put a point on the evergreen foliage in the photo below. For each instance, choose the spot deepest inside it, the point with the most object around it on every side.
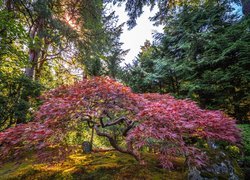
(246, 143)
(203, 55)
(17, 92)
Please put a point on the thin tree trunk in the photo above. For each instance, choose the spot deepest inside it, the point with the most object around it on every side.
(92, 137)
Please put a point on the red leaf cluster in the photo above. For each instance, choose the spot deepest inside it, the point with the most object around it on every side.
(170, 124)
(161, 122)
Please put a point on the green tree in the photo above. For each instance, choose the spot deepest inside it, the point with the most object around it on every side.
(114, 53)
(39, 40)
(134, 8)
(203, 55)
(56, 29)
(105, 52)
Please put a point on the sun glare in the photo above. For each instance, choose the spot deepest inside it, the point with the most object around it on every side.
(71, 21)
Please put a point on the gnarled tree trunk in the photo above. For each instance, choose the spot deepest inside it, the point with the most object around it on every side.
(129, 149)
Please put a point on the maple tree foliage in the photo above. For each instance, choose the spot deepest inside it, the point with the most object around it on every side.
(172, 128)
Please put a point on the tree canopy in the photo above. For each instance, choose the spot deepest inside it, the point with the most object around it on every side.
(172, 127)
(203, 54)
(134, 8)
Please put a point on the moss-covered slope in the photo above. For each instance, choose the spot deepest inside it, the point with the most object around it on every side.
(102, 165)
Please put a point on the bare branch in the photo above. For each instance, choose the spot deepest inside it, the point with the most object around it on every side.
(129, 124)
(117, 121)
(28, 11)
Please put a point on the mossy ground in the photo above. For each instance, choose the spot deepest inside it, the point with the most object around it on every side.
(103, 165)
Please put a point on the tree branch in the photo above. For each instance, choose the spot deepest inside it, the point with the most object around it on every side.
(28, 11)
(114, 143)
(129, 150)
(129, 123)
(87, 118)
(117, 121)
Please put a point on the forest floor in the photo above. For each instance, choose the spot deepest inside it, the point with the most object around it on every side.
(102, 165)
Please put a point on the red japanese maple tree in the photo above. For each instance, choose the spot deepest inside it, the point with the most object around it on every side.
(173, 128)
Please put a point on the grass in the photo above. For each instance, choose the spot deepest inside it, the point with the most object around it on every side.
(103, 165)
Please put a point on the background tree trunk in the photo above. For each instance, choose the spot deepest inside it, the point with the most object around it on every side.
(33, 57)
(35, 49)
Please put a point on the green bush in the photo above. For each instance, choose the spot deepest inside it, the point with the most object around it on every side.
(246, 143)
(17, 99)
